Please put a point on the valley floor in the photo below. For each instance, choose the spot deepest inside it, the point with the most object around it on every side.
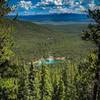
(37, 40)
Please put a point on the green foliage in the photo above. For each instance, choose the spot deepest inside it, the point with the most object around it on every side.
(8, 89)
(34, 40)
(34, 83)
(68, 75)
(93, 34)
(8, 79)
(95, 14)
(6, 42)
(23, 93)
(65, 81)
(93, 31)
(4, 8)
(55, 88)
(61, 90)
(45, 84)
(58, 89)
(85, 77)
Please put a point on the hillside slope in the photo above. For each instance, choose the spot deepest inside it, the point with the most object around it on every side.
(33, 40)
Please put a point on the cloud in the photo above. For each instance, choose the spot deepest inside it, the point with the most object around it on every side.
(60, 10)
(92, 5)
(56, 6)
(56, 2)
(82, 8)
(25, 4)
(49, 2)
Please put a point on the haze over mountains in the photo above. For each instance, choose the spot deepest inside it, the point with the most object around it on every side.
(56, 18)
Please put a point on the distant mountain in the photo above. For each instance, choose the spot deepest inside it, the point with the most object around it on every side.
(55, 18)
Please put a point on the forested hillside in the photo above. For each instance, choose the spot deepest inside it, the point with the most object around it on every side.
(37, 40)
(67, 80)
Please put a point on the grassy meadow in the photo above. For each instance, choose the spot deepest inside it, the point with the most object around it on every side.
(37, 40)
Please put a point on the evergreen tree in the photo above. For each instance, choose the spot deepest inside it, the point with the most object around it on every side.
(84, 78)
(4, 8)
(8, 89)
(65, 79)
(58, 86)
(34, 85)
(5, 35)
(55, 92)
(68, 77)
(8, 79)
(23, 93)
(45, 84)
(93, 34)
(61, 91)
(6, 44)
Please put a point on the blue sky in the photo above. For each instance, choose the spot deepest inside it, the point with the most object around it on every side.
(34, 7)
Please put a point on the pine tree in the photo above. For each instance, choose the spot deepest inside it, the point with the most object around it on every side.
(58, 86)
(4, 8)
(34, 85)
(8, 89)
(6, 29)
(84, 78)
(55, 87)
(46, 86)
(65, 79)
(6, 44)
(23, 93)
(93, 34)
(68, 76)
(61, 91)
(8, 79)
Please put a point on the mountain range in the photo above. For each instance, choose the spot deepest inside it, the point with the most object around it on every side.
(55, 18)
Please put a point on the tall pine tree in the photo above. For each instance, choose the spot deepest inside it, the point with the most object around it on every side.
(34, 83)
(8, 79)
(23, 93)
(5, 34)
(45, 84)
(93, 34)
(61, 90)
(68, 77)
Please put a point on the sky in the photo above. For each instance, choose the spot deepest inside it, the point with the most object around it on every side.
(38, 7)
